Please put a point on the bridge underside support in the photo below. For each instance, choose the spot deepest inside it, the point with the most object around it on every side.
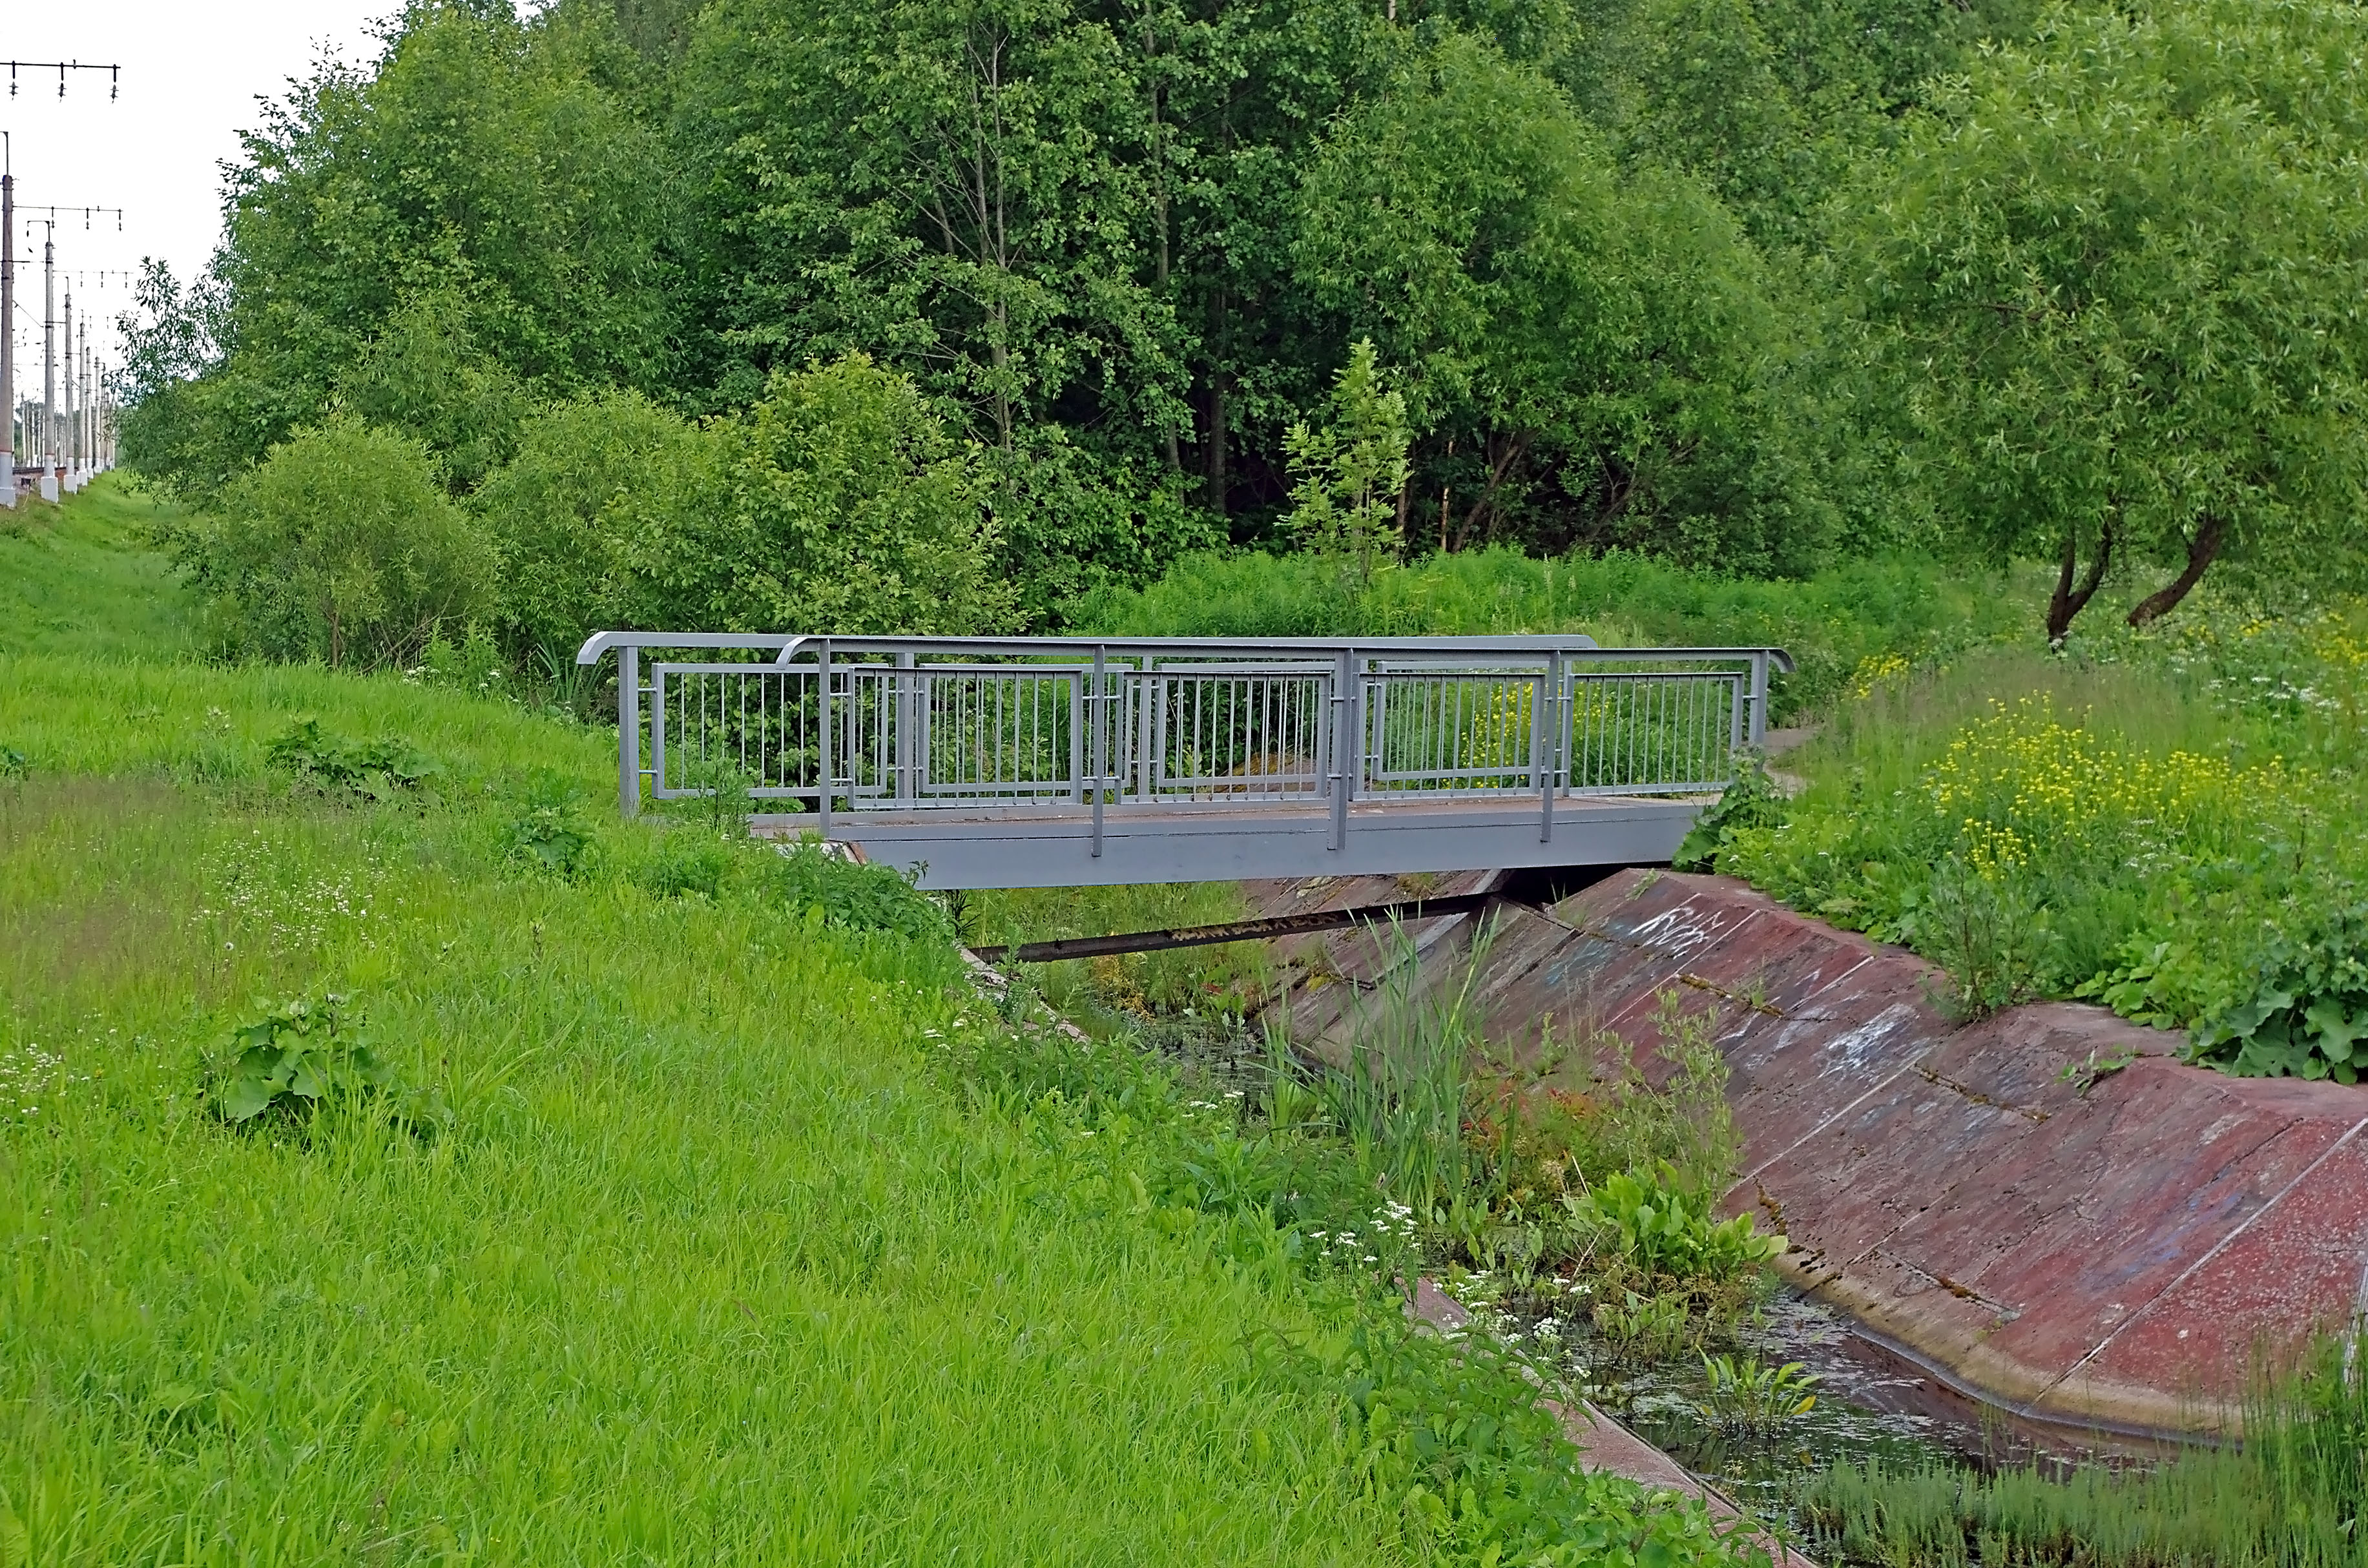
(1036, 848)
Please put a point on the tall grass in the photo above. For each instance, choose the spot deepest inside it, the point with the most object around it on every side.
(2290, 1497)
(1399, 1098)
(711, 1266)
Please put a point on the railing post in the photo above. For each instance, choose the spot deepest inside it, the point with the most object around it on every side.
(1348, 744)
(1098, 742)
(908, 786)
(822, 746)
(629, 730)
(1758, 696)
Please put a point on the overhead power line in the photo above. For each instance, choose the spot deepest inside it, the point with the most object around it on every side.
(114, 74)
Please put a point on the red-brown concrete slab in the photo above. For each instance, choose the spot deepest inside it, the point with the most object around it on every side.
(2298, 1262)
(2114, 1249)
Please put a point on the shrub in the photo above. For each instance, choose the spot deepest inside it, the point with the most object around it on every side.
(848, 507)
(584, 513)
(291, 1059)
(837, 503)
(377, 770)
(341, 547)
(812, 878)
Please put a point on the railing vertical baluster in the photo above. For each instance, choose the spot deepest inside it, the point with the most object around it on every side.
(1077, 737)
(1146, 736)
(907, 679)
(1542, 745)
(1348, 747)
(1734, 720)
(1758, 698)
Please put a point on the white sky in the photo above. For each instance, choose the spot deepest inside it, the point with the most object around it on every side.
(192, 71)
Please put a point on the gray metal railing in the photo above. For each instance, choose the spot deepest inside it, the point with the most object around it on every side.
(856, 724)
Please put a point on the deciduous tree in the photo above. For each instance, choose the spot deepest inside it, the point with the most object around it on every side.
(2118, 273)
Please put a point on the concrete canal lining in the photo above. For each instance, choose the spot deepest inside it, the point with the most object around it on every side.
(2114, 1255)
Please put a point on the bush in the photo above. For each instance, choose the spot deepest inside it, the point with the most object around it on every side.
(583, 512)
(377, 770)
(292, 1058)
(840, 891)
(342, 547)
(837, 502)
(848, 507)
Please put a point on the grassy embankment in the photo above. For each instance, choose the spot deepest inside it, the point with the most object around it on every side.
(752, 1236)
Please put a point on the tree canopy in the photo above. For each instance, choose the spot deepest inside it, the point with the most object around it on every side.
(1743, 283)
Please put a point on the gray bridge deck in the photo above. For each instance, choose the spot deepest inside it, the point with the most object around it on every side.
(1049, 761)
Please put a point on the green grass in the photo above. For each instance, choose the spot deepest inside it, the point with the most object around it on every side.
(75, 580)
(713, 1266)
(754, 1237)
(2289, 1497)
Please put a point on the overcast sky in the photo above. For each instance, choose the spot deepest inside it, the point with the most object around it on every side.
(192, 71)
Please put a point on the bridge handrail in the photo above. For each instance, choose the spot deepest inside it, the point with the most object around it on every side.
(789, 645)
(1134, 722)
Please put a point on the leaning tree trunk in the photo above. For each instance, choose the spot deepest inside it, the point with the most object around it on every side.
(2069, 600)
(2210, 535)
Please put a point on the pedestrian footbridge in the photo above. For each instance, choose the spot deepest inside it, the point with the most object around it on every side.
(1058, 762)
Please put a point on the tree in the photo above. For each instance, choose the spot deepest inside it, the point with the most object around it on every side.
(974, 194)
(2117, 273)
(1348, 473)
(846, 506)
(1591, 347)
(481, 181)
(838, 502)
(424, 373)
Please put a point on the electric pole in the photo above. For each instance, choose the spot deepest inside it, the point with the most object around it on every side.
(49, 444)
(66, 430)
(8, 320)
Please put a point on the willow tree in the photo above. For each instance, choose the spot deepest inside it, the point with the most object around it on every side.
(2119, 271)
